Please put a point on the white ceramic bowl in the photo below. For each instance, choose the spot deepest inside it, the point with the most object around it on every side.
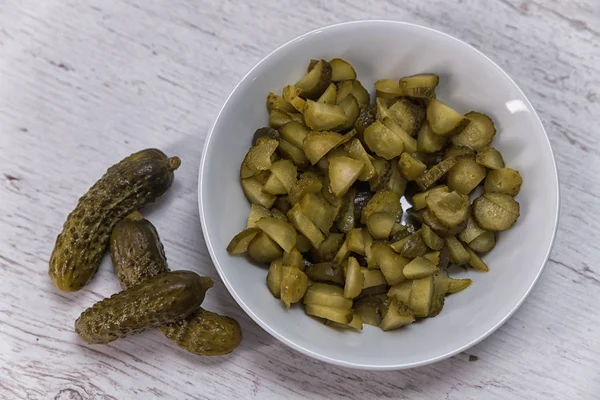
(469, 81)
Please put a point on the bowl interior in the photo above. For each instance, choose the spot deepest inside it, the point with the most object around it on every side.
(469, 81)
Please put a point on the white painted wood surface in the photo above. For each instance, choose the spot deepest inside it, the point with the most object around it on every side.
(84, 83)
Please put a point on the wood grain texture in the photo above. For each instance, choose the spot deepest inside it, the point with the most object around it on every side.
(84, 83)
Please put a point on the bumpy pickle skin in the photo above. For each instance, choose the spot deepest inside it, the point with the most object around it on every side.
(137, 254)
(127, 186)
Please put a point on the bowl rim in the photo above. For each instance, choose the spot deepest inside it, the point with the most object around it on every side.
(296, 346)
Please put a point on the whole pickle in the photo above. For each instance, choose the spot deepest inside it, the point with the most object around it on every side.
(137, 254)
(135, 181)
(205, 333)
(136, 251)
(156, 301)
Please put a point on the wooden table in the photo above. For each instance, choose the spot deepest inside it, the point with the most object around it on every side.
(84, 83)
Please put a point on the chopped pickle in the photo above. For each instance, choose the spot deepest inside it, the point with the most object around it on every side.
(322, 294)
(278, 118)
(387, 89)
(264, 132)
(356, 89)
(239, 243)
(259, 156)
(457, 285)
(294, 133)
(329, 313)
(478, 134)
(503, 180)
(343, 172)
(316, 80)
(431, 239)
(429, 142)
(382, 141)
(490, 158)
(318, 210)
(290, 92)
(411, 246)
(317, 144)
(484, 242)
(398, 314)
(329, 96)
(451, 209)
(370, 310)
(383, 201)
(420, 85)
(441, 282)
(433, 174)
(433, 256)
(354, 279)
(293, 153)
(254, 193)
(420, 199)
(476, 262)
(341, 70)
(307, 183)
(410, 143)
(294, 284)
(257, 212)
(380, 224)
(351, 110)
(280, 231)
(326, 272)
(263, 249)
(286, 173)
(382, 110)
(357, 151)
(274, 186)
(496, 211)
(466, 175)
(410, 167)
(305, 226)
(390, 263)
(421, 295)
(356, 241)
(472, 231)
(276, 102)
(444, 120)
(365, 118)
(342, 254)
(407, 115)
(373, 278)
(419, 267)
(322, 116)
(458, 253)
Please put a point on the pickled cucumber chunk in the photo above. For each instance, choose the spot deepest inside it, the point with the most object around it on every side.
(341, 70)
(398, 314)
(503, 180)
(420, 85)
(496, 211)
(316, 80)
(478, 134)
(444, 120)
